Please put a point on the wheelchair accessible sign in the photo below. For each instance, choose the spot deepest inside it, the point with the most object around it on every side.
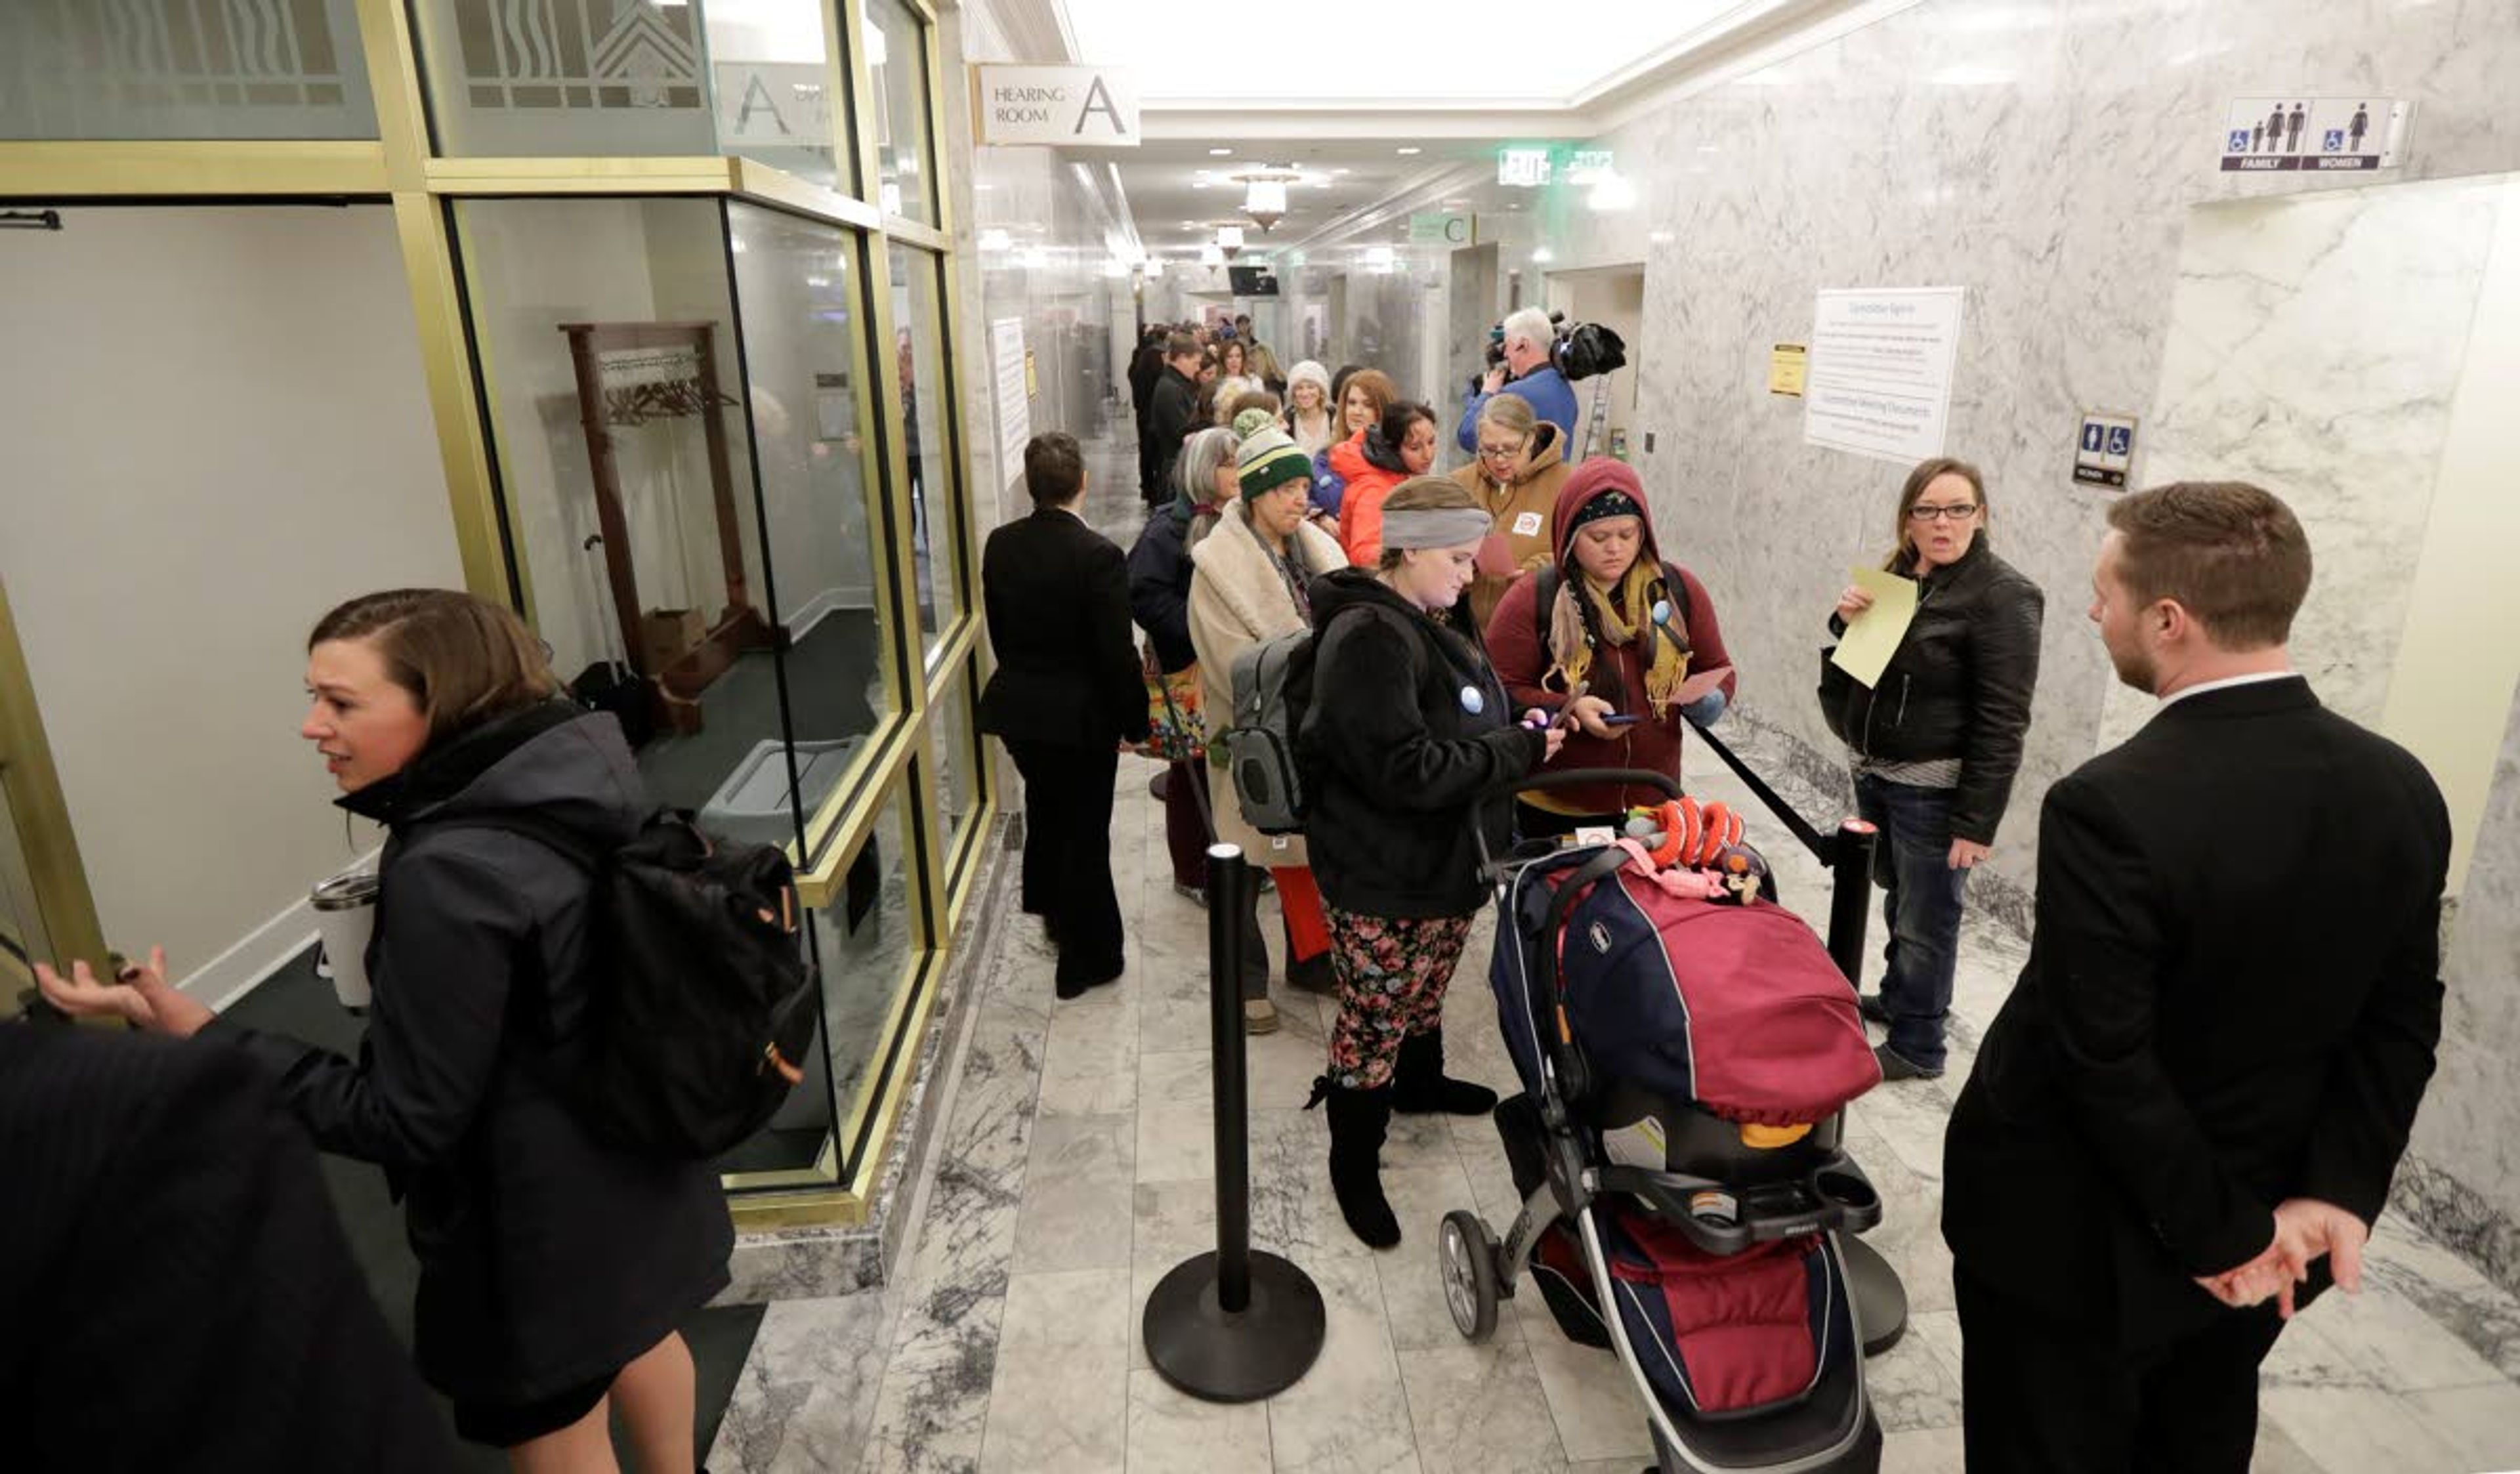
(2105, 451)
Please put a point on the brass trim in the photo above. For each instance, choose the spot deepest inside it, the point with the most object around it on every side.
(713, 175)
(762, 1212)
(392, 57)
(455, 401)
(943, 200)
(953, 648)
(910, 232)
(780, 190)
(196, 168)
(41, 810)
(861, 100)
(914, 1004)
(965, 864)
(846, 819)
(825, 1173)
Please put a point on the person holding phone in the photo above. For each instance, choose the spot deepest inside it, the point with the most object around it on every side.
(1935, 742)
(1406, 741)
(1624, 644)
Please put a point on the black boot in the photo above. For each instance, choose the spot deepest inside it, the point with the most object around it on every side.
(1357, 1120)
(1419, 1086)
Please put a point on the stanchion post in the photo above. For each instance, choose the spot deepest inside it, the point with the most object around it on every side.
(1850, 896)
(1229, 894)
(1231, 1325)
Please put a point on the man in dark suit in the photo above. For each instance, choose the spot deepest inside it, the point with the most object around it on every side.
(2202, 1083)
(1172, 413)
(1068, 690)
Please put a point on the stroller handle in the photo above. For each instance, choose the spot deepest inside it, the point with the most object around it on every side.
(1578, 778)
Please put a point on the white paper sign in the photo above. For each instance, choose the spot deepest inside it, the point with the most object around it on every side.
(1061, 105)
(1881, 377)
(1015, 406)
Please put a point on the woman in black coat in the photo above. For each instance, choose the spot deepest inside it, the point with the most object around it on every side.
(1935, 742)
(553, 1269)
(1405, 744)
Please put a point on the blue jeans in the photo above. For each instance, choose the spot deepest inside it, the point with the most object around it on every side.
(1921, 903)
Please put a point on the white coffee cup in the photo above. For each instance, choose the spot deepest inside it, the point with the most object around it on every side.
(345, 916)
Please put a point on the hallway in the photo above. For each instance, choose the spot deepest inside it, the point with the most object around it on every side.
(1076, 1169)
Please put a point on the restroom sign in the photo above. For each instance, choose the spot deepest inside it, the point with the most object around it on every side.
(1064, 106)
(2269, 135)
(2104, 450)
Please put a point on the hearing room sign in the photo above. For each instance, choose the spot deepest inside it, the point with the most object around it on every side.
(1070, 106)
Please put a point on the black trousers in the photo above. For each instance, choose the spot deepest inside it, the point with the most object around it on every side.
(2043, 1397)
(1067, 853)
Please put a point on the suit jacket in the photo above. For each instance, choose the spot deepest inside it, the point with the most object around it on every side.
(1056, 592)
(1172, 413)
(175, 1291)
(2233, 998)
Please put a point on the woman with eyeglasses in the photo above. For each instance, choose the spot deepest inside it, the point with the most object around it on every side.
(1935, 742)
(1521, 465)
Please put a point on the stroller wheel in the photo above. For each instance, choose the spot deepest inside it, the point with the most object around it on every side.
(1468, 1256)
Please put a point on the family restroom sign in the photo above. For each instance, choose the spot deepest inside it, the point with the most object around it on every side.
(1070, 106)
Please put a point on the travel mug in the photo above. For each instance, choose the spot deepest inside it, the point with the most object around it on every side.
(345, 916)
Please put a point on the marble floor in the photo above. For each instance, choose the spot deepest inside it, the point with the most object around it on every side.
(1074, 1168)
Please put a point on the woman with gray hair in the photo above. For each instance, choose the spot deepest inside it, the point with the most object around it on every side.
(1159, 574)
(1405, 745)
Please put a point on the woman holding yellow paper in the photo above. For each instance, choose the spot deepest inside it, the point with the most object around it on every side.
(1935, 742)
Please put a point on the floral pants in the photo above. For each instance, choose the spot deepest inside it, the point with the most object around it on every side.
(1391, 979)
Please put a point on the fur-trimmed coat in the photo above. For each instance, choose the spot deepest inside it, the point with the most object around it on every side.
(1237, 599)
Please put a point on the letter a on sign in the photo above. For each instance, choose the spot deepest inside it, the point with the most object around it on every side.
(1098, 99)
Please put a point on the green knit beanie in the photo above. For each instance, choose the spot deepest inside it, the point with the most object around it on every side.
(1267, 461)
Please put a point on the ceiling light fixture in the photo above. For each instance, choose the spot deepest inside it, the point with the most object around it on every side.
(1211, 256)
(1228, 240)
(1408, 151)
(1220, 153)
(1264, 193)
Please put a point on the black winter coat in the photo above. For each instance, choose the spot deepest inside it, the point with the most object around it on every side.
(1172, 413)
(1159, 570)
(547, 1258)
(1406, 738)
(1056, 596)
(1958, 685)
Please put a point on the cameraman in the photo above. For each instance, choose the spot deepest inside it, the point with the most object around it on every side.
(1528, 339)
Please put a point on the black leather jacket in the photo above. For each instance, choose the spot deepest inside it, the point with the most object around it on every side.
(1958, 685)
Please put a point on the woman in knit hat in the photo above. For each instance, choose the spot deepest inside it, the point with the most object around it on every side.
(1404, 747)
(1638, 634)
(1308, 408)
(1251, 582)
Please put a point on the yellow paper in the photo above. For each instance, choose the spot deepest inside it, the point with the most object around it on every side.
(1873, 636)
(1789, 367)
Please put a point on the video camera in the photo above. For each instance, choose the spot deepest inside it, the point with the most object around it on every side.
(1579, 351)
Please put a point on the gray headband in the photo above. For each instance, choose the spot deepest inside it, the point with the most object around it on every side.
(1434, 527)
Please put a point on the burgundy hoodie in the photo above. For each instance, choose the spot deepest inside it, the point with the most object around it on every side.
(1518, 646)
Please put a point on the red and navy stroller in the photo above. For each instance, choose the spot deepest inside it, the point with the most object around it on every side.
(1686, 1047)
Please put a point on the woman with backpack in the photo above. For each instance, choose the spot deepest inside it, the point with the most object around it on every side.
(1935, 742)
(554, 1268)
(1405, 740)
(1251, 581)
(1624, 643)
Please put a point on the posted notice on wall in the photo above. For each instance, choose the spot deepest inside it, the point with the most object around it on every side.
(1015, 406)
(1880, 377)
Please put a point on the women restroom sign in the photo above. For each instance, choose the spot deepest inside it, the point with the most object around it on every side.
(2280, 134)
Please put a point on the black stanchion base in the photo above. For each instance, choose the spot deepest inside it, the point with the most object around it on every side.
(1880, 1300)
(1211, 1354)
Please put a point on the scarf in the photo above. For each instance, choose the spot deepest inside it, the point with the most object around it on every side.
(1578, 624)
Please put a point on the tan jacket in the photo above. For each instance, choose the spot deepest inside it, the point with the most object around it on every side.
(1237, 599)
(1521, 511)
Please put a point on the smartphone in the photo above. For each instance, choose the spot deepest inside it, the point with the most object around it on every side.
(1621, 719)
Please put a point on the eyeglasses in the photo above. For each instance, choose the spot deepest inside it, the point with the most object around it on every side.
(1501, 452)
(1957, 513)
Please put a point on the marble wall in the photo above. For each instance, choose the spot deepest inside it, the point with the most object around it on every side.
(2058, 160)
(2044, 156)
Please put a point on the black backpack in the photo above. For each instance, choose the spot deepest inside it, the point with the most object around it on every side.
(701, 1004)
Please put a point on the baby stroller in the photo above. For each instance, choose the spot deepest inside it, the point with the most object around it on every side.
(1686, 1047)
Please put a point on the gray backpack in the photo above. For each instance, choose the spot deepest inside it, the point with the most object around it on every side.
(1273, 684)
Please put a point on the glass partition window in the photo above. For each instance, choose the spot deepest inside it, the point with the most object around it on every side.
(182, 69)
(639, 487)
(565, 78)
(804, 350)
(24, 940)
(919, 337)
(863, 942)
(896, 46)
(958, 753)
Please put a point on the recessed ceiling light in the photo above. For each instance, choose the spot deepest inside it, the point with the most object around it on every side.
(1408, 149)
(1199, 184)
(1220, 153)
(1338, 171)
